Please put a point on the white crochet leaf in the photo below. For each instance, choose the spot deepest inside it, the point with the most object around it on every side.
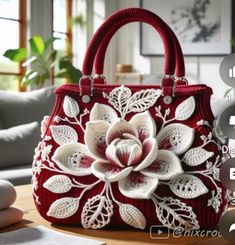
(185, 109)
(103, 112)
(96, 212)
(176, 137)
(143, 100)
(118, 98)
(58, 184)
(187, 186)
(64, 134)
(196, 156)
(63, 208)
(71, 107)
(132, 216)
(174, 214)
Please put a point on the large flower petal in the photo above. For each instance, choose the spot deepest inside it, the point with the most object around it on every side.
(176, 137)
(118, 128)
(111, 154)
(74, 159)
(103, 112)
(166, 166)
(145, 125)
(135, 155)
(95, 138)
(109, 172)
(137, 186)
(150, 151)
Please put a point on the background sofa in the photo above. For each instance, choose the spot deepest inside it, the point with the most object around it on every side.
(20, 116)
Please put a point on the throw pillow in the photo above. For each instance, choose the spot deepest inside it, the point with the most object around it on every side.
(17, 144)
(19, 108)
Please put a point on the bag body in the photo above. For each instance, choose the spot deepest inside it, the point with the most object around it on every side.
(130, 156)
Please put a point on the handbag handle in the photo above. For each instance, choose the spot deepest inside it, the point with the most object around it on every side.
(100, 56)
(126, 14)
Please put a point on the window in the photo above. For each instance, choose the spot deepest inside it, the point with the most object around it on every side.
(62, 14)
(46, 17)
(13, 35)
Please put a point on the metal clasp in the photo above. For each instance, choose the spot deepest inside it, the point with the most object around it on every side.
(168, 98)
(91, 84)
(184, 79)
(101, 76)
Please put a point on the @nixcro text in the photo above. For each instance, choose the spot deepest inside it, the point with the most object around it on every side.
(160, 232)
(180, 232)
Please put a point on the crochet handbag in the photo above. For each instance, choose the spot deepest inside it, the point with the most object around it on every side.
(131, 155)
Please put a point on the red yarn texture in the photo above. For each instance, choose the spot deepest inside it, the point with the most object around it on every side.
(206, 216)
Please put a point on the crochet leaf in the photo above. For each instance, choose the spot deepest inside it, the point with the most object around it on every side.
(63, 208)
(58, 184)
(132, 216)
(70, 106)
(173, 213)
(143, 100)
(118, 98)
(185, 109)
(196, 156)
(187, 186)
(64, 134)
(97, 212)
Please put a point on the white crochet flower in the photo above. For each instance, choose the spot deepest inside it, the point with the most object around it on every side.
(127, 152)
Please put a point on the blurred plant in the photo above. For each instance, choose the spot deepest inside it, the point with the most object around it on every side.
(233, 42)
(76, 20)
(41, 58)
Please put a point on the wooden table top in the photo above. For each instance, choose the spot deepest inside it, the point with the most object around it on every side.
(114, 237)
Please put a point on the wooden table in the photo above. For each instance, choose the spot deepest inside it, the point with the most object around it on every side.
(114, 237)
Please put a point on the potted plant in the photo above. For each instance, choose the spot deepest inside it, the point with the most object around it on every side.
(40, 61)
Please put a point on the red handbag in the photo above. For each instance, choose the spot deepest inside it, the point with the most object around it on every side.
(131, 155)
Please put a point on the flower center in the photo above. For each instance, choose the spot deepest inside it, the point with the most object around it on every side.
(126, 143)
(128, 151)
(77, 160)
(74, 160)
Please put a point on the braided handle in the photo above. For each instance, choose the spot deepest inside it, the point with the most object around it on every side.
(129, 14)
(100, 56)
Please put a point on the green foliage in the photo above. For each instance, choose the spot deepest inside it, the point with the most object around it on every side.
(42, 59)
(50, 42)
(77, 20)
(17, 55)
(37, 45)
(68, 71)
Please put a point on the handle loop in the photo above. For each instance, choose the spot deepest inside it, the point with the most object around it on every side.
(100, 56)
(142, 15)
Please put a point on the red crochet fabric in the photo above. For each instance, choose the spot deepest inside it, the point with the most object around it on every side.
(206, 215)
